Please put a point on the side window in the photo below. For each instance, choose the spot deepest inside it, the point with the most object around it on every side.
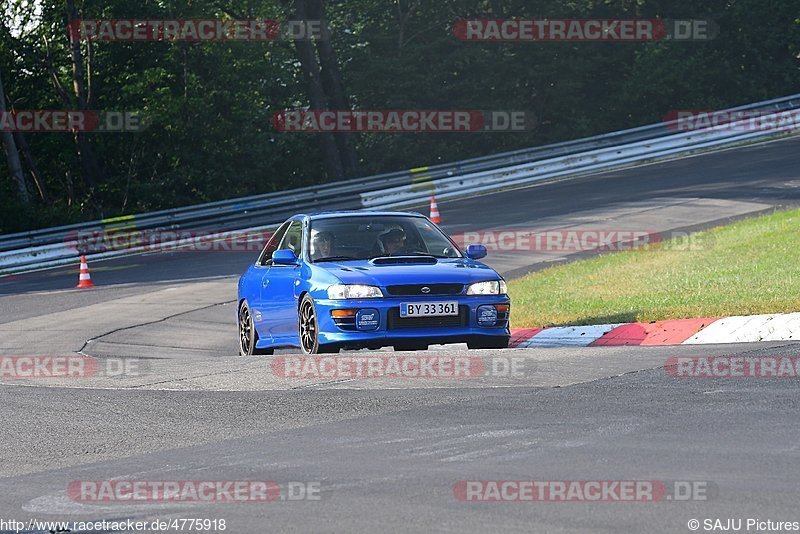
(293, 240)
(272, 245)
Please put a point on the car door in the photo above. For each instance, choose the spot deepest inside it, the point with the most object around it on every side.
(279, 292)
(261, 318)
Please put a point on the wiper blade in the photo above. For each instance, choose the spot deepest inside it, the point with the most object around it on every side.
(336, 258)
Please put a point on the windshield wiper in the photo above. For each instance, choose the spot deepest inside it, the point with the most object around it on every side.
(337, 258)
(427, 254)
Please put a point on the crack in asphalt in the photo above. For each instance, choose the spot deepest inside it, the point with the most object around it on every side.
(155, 346)
(130, 327)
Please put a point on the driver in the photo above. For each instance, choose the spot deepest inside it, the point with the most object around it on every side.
(393, 241)
(322, 245)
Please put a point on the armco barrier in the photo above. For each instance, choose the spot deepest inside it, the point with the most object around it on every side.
(605, 159)
(56, 246)
(64, 254)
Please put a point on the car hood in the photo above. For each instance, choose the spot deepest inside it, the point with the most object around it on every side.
(456, 270)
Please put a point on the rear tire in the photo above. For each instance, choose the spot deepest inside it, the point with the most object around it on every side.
(248, 337)
(489, 342)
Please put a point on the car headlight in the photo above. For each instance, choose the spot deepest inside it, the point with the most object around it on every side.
(493, 287)
(353, 291)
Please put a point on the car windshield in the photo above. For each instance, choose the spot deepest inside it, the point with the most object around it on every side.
(363, 238)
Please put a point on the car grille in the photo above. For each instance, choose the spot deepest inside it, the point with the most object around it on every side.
(416, 289)
(395, 322)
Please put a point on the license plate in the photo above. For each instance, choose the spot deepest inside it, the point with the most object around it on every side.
(428, 309)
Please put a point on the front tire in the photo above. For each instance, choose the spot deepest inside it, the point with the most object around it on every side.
(248, 337)
(309, 329)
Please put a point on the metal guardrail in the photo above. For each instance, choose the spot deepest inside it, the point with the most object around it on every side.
(605, 159)
(54, 246)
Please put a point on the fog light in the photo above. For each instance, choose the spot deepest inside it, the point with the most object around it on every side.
(487, 315)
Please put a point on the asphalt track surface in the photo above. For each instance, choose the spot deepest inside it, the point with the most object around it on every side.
(386, 453)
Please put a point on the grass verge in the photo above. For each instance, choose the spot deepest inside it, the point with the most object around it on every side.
(748, 267)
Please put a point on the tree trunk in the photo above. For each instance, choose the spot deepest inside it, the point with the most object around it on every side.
(316, 95)
(38, 179)
(333, 84)
(12, 155)
(91, 170)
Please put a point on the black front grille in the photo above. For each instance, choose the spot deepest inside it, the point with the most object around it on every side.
(394, 321)
(416, 289)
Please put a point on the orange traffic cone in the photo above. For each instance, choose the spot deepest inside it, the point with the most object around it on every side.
(85, 279)
(434, 211)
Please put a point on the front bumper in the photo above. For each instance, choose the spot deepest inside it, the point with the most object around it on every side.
(390, 327)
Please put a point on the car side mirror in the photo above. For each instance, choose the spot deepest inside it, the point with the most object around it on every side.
(476, 252)
(284, 257)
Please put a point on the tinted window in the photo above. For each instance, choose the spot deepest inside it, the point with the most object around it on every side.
(362, 238)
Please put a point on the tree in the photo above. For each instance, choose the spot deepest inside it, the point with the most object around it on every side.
(12, 155)
(316, 94)
(333, 84)
(91, 169)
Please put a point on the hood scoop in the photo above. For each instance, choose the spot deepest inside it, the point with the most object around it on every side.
(400, 260)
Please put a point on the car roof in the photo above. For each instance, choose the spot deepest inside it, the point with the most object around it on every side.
(357, 213)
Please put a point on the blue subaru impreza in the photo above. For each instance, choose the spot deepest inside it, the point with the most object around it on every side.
(350, 280)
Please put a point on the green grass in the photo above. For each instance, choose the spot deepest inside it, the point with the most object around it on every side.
(749, 267)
